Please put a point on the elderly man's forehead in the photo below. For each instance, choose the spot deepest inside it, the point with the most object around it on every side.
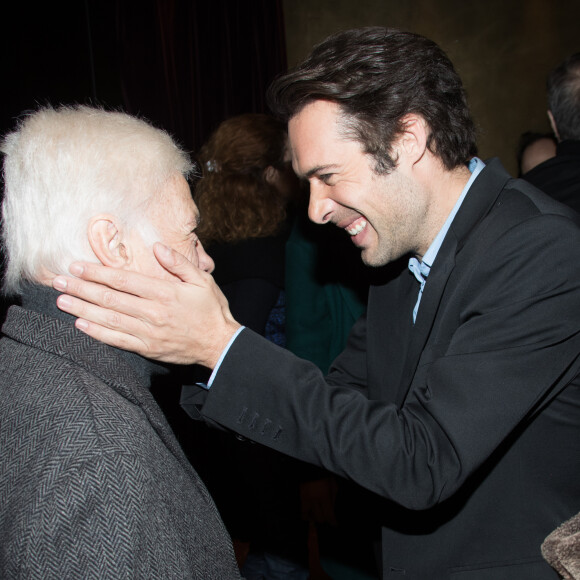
(175, 202)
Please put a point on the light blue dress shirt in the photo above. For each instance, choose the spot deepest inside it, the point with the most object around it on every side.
(421, 269)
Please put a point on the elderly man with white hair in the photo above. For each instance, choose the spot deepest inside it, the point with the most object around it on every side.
(93, 483)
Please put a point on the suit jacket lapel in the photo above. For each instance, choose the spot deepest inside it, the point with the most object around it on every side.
(476, 205)
(428, 308)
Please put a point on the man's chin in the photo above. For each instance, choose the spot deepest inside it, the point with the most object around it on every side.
(369, 259)
(374, 259)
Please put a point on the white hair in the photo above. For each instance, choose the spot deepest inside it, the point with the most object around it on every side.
(62, 167)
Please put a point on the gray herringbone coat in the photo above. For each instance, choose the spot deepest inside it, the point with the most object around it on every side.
(93, 484)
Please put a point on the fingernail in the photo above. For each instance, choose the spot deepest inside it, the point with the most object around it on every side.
(64, 302)
(165, 254)
(81, 324)
(164, 250)
(59, 283)
(75, 269)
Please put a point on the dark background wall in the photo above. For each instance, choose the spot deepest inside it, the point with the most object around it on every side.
(183, 64)
(56, 53)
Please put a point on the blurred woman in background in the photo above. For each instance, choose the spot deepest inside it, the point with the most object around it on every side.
(244, 198)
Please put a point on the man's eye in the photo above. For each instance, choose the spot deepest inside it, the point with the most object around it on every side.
(325, 177)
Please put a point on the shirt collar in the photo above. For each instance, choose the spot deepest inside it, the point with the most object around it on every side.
(475, 166)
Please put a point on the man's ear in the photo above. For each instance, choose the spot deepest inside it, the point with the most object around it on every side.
(105, 240)
(412, 142)
(553, 124)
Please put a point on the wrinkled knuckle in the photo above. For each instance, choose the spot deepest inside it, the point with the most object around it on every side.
(123, 343)
(149, 350)
(114, 320)
(109, 299)
(157, 317)
(165, 295)
(119, 280)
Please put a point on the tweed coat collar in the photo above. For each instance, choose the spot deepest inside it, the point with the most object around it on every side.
(60, 338)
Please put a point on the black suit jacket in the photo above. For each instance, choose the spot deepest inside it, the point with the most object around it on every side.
(559, 176)
(466, 423)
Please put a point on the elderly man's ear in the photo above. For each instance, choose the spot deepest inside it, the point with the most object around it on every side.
(105, 238)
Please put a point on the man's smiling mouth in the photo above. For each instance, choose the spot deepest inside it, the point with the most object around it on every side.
(356, 227)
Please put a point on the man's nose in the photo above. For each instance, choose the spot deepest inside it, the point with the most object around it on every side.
(320, 206)
(206, 262)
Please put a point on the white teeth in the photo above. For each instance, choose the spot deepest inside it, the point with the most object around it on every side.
(357, 229)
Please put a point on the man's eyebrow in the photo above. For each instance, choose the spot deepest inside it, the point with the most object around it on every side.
(195, 222)
(319, 169)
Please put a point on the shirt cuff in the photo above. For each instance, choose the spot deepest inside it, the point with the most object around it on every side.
(221, 358)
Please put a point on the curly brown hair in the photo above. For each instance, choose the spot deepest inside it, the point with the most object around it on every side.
(235, 200)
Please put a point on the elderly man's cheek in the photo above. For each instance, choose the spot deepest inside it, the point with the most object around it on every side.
(194, 258)
(190, 252)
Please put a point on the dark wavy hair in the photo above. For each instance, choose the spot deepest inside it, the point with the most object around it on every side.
(377, 76)
(564, 97)
(235, 200)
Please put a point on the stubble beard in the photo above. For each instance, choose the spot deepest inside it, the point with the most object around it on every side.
(379, 256)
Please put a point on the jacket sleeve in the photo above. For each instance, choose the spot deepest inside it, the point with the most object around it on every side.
(507, 339)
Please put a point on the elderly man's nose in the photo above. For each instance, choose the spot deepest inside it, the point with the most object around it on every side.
(206, 262)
